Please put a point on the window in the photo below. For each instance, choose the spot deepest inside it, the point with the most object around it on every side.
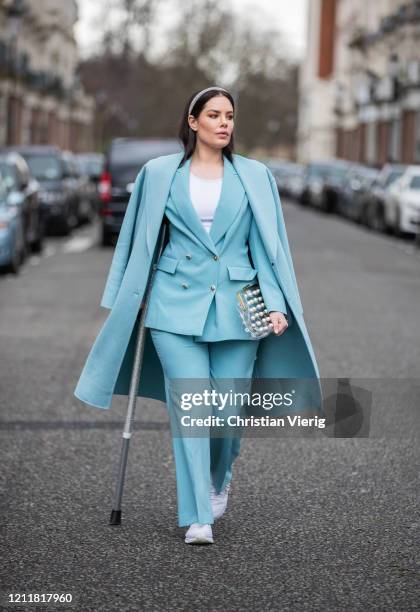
(417, 138)
(394, 149)
(415, 182)
(371, 142)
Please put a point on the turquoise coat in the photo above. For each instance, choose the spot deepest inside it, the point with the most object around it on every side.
(160, 189)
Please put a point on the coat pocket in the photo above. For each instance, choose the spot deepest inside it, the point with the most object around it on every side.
(167, 264)
(241, 272)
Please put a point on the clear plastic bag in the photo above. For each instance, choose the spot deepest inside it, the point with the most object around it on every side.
(253, 311)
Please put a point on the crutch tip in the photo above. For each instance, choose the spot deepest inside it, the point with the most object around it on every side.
(115, 518)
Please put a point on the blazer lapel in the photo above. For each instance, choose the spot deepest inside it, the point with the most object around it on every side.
(180, 194)
(254, 181)
(230, 202)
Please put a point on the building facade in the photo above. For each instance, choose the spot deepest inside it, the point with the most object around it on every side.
(360, 82)
(41, 98)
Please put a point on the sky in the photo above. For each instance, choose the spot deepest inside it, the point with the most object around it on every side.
(288, 16)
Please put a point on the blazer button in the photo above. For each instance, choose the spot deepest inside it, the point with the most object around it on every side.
(188, 256)
(213, 287)
(185, 286)
(216, 257)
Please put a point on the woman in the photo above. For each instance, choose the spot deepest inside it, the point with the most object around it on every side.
(223, 211)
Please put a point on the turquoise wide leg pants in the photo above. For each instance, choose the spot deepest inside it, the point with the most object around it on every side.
(200, 459)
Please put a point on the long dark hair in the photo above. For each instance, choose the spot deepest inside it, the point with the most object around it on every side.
(188, 136)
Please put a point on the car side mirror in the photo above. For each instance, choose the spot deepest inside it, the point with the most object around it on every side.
(14, 198)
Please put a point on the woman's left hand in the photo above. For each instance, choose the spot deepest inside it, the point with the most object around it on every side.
(279, 322)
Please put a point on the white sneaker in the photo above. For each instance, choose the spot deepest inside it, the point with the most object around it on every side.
(199, 534)
(219, 501)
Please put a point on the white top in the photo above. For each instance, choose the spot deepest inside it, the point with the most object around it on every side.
(205, 195)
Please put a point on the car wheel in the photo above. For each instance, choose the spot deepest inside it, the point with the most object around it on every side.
(364, 219)
(64, 226)
(304, 200)
(397, 227)
(16, 261)
(378, 220)
(38, 244)
(106, 238)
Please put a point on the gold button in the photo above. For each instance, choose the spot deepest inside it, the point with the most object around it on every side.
(188, 256)
(213, 287)
(215, 257)
(185, 285)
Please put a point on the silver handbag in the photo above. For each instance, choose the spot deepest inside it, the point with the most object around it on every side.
(253, 311)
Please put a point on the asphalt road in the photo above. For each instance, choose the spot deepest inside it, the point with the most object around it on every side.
(312, 524)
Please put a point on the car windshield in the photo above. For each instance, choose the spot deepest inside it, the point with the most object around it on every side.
(392, 176)
(3, 190)
(126, 158)
(8, 176)
(318, 170)
(138, 153)
(415, 182)
(338, 172)
(45, 167)
(92, 165)
(326, 170)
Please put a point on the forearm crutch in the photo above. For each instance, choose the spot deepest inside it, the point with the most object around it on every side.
(115, 518)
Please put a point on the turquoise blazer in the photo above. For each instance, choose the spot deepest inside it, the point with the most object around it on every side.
(199, 273)
(161, 188)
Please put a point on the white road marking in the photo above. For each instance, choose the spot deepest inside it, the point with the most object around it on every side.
(49, 250)
(78, 244)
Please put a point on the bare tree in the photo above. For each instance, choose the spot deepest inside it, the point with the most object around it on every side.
(208, 43)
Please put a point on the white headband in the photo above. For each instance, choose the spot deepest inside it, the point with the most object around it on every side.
(200, 93)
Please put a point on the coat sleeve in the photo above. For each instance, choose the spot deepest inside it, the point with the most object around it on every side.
(270, 289)
(125, 240)
(282, 233)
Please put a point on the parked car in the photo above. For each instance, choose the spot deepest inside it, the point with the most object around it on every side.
(352, 195)
(12, 238)
(58, 190)
(92, 166)
(80, 187)
(374, 205)
(334, 186)
(124, 159)
(294, 181)
(22, 190)
(402, 204)
(315, 176)
(280, 169)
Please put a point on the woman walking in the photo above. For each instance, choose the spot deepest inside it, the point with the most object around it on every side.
(226, 230)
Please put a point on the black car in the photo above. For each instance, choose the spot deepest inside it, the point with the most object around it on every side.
(356, 189)
(80, 187)
(91, 165)
(124, 160)
(335, 186)
(59, 195)
(315, 177)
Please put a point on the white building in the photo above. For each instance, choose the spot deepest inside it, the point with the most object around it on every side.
(41, 98)
(360, 82)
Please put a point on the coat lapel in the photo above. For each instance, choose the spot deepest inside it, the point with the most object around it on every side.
(156, 196)
(257, 186)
